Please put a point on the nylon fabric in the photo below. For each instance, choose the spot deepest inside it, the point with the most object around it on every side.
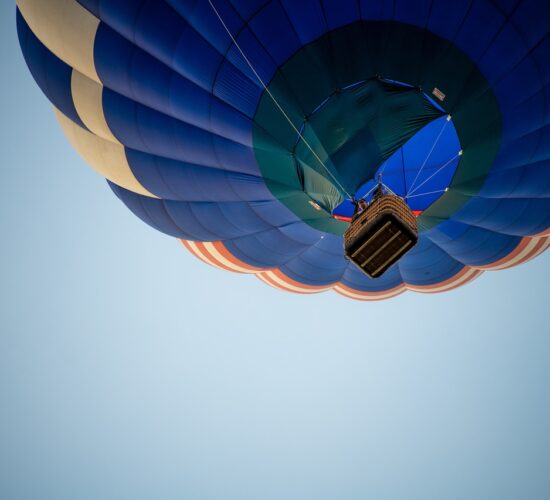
(197, 130)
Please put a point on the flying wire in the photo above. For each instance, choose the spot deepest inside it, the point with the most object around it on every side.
(343, 190)
(427, 193)
(429, 154)
(409, 195)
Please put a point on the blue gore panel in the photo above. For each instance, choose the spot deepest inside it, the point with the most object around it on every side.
(507, 41)
(472, 245)
(446, 18)
(269, 249)
(377, 11)
(479, 28)
(528, 181)
(531, 19)
(209, 221)
(246, 8)
(415, 13)
(171, 41)
(340, 12)
(204, 221)
(514, 216)
(149, 131)
(273, 30)
(307, 18)
(152, 212)
(204, 20)
(319, 264)
(426, 264)
(148, 81)
(355, 279)
(177, 180)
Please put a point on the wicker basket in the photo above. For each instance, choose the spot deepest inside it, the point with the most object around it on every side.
(380, 235)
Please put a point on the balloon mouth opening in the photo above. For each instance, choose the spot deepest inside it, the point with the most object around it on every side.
(376, 128)
(329, 99)
(421, 171)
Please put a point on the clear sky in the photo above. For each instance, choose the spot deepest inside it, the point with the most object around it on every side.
(130, 370)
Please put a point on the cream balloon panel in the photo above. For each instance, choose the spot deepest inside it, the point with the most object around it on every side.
(69, 31)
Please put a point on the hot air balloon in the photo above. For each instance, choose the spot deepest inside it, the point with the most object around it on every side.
(246, 128)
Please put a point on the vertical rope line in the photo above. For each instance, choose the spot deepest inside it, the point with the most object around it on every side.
(427, 193)
(343, 190)
(429, 154)
(390, 189)
(369, 192)
(435, 173)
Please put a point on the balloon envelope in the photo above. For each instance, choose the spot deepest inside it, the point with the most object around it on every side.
(243, 127)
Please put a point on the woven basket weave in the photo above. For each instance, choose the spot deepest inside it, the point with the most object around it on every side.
(380, 235)
(384, 204)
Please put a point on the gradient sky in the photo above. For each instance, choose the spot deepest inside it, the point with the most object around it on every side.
(130, 370)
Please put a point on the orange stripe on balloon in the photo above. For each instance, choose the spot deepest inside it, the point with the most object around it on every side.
(194, 249)
(293, 283)
(465, 275)
(216, 254)
(222, 249)
(279, 280)
(203, 248)
(266, 278)
(269, 281)
(508, 260)
(528, 248)
(351, 293)
(474, 275)
(541, 246)
(542, 234)
(262, 277)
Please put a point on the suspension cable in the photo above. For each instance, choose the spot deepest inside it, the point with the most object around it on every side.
(428, 192)
(429, 154)
(368, 192)
(342, 188)
(389, 189)
(435, 173)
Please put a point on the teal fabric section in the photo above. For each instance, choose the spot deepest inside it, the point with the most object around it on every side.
(352, 139)
(354, 132)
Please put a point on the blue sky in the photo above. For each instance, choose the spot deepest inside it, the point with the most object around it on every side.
(129, 370)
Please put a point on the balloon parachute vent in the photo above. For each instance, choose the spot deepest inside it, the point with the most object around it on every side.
(380, 235)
